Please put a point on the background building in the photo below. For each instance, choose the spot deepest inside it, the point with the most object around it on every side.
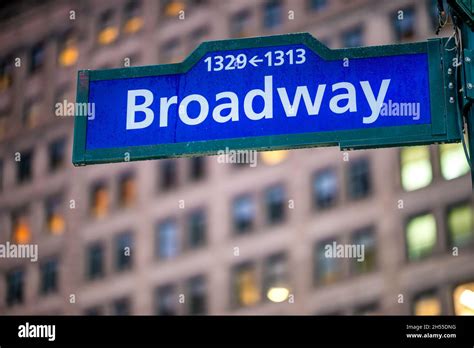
(194, 236)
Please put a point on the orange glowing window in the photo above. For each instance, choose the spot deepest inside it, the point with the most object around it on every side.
(100, 201)
(127, 190)
(21, 233)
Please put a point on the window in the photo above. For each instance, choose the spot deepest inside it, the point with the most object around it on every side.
(463, 297)
(240, 23)
(460, 224)
(6, 73)
(107, 30)
(21, 232)
(243, 212)
(416, 170)
(166, 300)
(245, 285)
(37, 57)
(197, 295)
(404, 24)
(272, 158)
(166, 240)
(123, 251)
(317, 5)
(275, 204)
(427, 303)
(121, 306)
(93, 311)
(359, 184)
(196, 229)
(57, 151)
(127, 190)
(55, 222)
(171, 51)
(68, 50)
(1, 175)
(273, 12)
(325, 189)
(453, 161)
(49, 276)
(95, 261)
(327, 268)
(198, 36)
(25, 167)
(99, 200)
(15, 287)
(365, 238)
(421, 236)
(367, 309)
(32, 113)
(133, 17)
(198, 168)
(276, 287)
(169, 174)
(3, 124)
(353, 38)
(172, 8)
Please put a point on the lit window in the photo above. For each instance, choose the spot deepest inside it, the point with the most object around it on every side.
(21, 232)
(239, 24)
(365, 238)
(198, 168)
(325, 189)
(427, 303)
(317, 5)
(166, 300)
(353, 38)
(127, 190)
(243, 212)
(245, 285)
(123, 251)
(359, 184)
(273, 12)
(275, 204)
(57, 151)
(416, 170)
(15, 287)
(421, 236)
(404, 24)
(100, 200)
(327, 267)
(68, 50)
(272, 158)
(49, 276)
(55, 221)
(107, 32)
(166, 240)
(460, 225)
(37, 57)
(172, 8)
(133, 18)
(276, 287)
(196, 229)
(453, 161)
(32, 113)
(197, 295)
(463, 297)
(168, 174)
(6, 74)
(121, 306)
(95, 261)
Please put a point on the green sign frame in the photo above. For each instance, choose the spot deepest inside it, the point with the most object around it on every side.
(443, 128)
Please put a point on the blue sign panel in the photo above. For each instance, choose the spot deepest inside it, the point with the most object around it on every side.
(278, 92)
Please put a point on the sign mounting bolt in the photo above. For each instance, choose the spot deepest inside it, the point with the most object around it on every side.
(451, 100)
(469, 85)
(467, 59)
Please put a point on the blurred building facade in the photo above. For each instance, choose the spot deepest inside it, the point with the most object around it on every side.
(195, 236)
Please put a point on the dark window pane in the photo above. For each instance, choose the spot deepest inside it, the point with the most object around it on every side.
(166, 300)
(197, 229)
(166, 240)
(95, 261)
(15, 285)
(317, 4)
(93, 311)
(404, 24)
(243, 212)
(325, 189)
(353, 38)
(273, 13)
(57, 151)
(275, 204)
(37, 57)
(25, 167)
(197, 295)
(169, 174)
(49, 277)
(123, 249)
(121, 306)
(239, 24)
(359, 184)
(198, 168)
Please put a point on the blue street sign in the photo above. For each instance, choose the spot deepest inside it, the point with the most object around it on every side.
(265, 93)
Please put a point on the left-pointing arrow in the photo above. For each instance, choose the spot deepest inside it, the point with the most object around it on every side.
(255, 60)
